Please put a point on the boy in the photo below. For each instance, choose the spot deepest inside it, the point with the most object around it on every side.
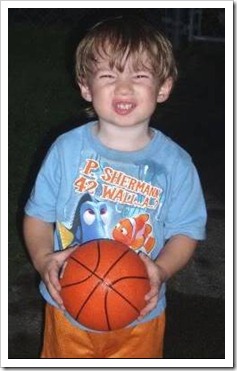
(116, 178)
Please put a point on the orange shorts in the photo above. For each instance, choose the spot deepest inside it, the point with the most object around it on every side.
(63, 340)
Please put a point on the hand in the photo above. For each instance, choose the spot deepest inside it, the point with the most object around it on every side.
(156, 276)
(51, 265)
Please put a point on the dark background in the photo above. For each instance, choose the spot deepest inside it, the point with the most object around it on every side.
(44, 102)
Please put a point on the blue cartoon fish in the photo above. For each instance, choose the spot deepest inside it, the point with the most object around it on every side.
(90, 222)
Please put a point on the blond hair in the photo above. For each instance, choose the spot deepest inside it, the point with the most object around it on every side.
(120, 38)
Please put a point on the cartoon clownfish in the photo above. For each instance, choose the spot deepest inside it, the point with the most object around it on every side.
(135, 232)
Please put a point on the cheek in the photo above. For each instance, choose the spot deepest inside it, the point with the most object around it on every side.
(154, 96)
(99, 94)
(150, 98)
(150, 91)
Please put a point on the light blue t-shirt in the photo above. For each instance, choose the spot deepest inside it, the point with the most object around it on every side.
(141, 198)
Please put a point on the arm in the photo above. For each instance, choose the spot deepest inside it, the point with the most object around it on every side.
(39, 242)
(174, 256)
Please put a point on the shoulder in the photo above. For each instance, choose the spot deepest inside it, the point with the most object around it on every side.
(68, 145)
(170, 152)
(72, 137)
(71, 142)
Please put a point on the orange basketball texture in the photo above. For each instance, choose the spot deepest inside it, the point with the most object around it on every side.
(104, 285)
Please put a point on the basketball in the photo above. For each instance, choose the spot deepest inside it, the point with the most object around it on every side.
(104, 284)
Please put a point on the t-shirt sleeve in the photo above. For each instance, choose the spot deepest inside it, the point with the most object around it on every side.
(42, 201)
(187, 211)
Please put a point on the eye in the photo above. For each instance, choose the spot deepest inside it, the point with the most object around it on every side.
(124, 231)
(103, 210)
(141, 76)
(89, 216)
(104, 214)
(107, 76)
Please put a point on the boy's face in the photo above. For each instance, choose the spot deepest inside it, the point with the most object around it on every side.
(124, 98)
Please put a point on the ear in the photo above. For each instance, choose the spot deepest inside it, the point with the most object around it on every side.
(165, 90)
(85, 91)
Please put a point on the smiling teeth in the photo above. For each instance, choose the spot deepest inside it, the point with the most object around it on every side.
(124, 105)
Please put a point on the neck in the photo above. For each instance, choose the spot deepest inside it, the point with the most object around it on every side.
(123, 138)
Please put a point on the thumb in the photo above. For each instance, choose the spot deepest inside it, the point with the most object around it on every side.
(144, 257)
(62, 259)
(66, 253)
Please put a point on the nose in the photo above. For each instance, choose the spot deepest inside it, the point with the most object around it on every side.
(124, 87)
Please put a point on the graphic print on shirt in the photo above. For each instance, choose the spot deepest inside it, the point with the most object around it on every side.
(135, 232)
(113, 203)
(90, 221)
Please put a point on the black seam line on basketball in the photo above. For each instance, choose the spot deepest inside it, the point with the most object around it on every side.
(94, 272)
(116, 261)
(76, 283)
(97, 263)
(87, 268)
(105, 306)
(87, 299)
(128, 277)
(123, 297)
(106, 311)
(84, 266)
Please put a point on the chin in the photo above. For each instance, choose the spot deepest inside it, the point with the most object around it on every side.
(123, 122)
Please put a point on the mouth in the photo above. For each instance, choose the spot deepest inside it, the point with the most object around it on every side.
(123, 108)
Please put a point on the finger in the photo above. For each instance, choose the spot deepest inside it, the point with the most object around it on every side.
(53, 279)
(149, 264)
(148, 308)
(63, 269)
(63, 255)
(144, 258)
(152, 293)
(55, 296)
